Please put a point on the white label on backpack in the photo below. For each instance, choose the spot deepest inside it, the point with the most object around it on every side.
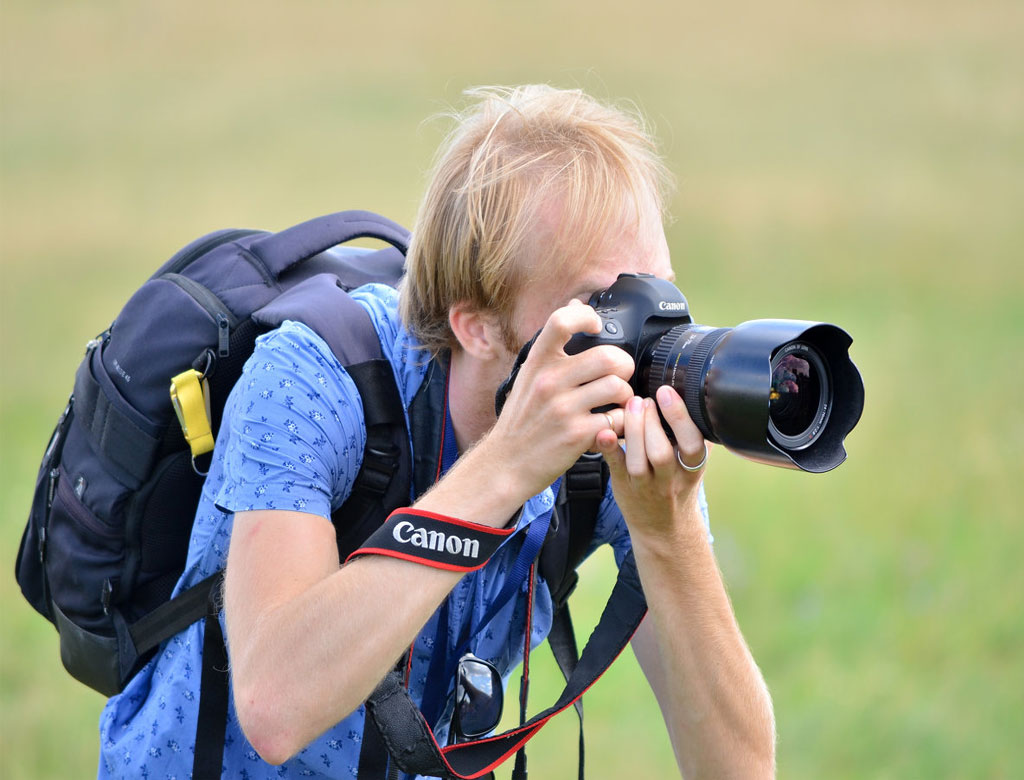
(124, 374)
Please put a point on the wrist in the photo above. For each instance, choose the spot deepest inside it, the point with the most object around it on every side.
(480, 488)
(682, 533)
(492, 465)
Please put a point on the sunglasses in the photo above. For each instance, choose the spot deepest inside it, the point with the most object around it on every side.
(479, 698)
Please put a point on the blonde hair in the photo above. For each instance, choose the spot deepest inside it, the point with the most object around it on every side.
(512, 150)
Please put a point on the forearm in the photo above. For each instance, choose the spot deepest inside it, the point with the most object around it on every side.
(309, 662)
(307, 648)
(711, 693)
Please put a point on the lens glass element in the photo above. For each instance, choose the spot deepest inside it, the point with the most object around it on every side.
(800, 395)
(794, 395)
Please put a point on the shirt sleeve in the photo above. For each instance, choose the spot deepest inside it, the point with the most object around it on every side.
(296, 432)
(611, 526)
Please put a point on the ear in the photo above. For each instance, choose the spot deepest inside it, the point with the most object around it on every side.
(476, 331)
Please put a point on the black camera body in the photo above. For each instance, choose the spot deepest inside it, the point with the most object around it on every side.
(781, 392)
(636, 309)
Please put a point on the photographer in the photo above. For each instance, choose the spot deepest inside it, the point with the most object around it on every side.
(538, 198)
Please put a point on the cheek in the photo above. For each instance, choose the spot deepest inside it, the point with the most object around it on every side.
(530, 318)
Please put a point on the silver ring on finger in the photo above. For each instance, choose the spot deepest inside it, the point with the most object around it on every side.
(611, 421)
(699, 466)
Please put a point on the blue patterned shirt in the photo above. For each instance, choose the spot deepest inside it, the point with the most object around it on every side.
(292, 438)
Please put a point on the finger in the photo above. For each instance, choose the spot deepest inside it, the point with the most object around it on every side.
(689, 439)
(562, 324)
(596, 362)
(605, 439)
(660, 451)
(609, 428)
(697, 467)
(687, 434)
(633, 432)
(613, 455)
(603, 423)
(606, 391)
(617, 415)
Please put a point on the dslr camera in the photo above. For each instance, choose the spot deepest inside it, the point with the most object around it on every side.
(780, 392)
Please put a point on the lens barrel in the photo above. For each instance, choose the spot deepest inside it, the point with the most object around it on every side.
(782, 392)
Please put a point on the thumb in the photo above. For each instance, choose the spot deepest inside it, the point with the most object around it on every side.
(613, 455)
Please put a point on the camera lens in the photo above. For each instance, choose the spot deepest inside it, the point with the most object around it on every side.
(800, 394)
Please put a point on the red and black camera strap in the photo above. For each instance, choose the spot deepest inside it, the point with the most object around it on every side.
(434, 540)
(455, 545)
(410, 741)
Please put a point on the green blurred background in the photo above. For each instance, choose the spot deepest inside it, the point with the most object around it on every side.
(855, 162)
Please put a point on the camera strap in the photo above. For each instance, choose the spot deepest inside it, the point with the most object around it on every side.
(434, 540)
(506, 387)
(410, 741)
(448, 543)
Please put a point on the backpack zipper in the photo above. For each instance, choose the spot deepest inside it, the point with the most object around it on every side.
(213, 242)
(213, 306)
(73, 506)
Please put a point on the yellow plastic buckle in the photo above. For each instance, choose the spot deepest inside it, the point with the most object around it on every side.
(190, 397)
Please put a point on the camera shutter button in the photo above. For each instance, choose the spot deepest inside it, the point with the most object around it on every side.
(611, 327)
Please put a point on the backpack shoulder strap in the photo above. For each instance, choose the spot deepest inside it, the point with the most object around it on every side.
(565, 548)
(391, 476)
(321, 304)
(573, 524)
(385, 475)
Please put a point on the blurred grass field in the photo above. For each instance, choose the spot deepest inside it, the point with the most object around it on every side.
(859, 163)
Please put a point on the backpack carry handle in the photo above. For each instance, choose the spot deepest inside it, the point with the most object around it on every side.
(280, 251)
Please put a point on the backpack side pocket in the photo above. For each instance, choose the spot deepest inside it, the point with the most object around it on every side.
(82, 567)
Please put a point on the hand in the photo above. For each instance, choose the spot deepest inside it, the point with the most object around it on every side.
(651, 488)
(547, 420)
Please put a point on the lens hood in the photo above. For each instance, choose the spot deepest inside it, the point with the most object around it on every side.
(736, 382)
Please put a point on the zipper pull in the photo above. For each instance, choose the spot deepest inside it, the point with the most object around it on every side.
(223, 335)
(100, 340)
(107, 595)
(58, 431)
(51, 488)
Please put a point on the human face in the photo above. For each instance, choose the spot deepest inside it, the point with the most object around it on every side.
(634, 251)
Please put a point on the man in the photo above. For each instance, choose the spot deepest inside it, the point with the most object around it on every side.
(538, 198)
